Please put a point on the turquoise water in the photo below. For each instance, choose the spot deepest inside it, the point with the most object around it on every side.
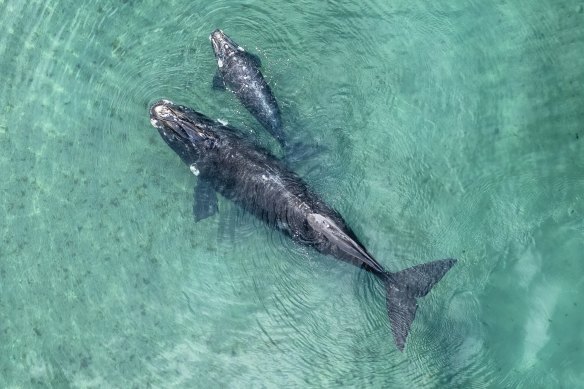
(450, 129)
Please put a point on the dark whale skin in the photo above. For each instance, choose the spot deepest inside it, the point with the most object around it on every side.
(239, 71)
(254, 179)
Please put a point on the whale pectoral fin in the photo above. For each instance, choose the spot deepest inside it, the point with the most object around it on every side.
(218, 83)
(254, 59)
(205, 204)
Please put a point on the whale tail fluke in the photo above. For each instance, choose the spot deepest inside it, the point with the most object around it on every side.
(404, 287)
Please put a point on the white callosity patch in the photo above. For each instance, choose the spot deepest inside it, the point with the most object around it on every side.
(194, 169)
(220, 63)
(240, 48)
(223, 122)
(162, 110)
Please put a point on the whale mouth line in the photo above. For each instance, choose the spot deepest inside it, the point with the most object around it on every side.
(174, 121)
(165, 118)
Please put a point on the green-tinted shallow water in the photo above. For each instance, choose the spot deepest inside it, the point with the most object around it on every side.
(451, 129)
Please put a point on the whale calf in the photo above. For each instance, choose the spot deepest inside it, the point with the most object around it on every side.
(239, 72)
(250, 176)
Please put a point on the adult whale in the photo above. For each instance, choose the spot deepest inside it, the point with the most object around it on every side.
(239, 71)
(260, 183)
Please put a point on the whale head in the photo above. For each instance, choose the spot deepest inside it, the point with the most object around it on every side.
(223, 46)
(186, 131)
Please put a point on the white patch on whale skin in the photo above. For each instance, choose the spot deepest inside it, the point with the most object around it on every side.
(219, 63)
(194, 169)
(223, 122)
(317, 220)
(162, 110)
(154, 122)
(240, 48)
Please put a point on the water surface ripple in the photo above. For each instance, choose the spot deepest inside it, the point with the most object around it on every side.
(447, 128)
